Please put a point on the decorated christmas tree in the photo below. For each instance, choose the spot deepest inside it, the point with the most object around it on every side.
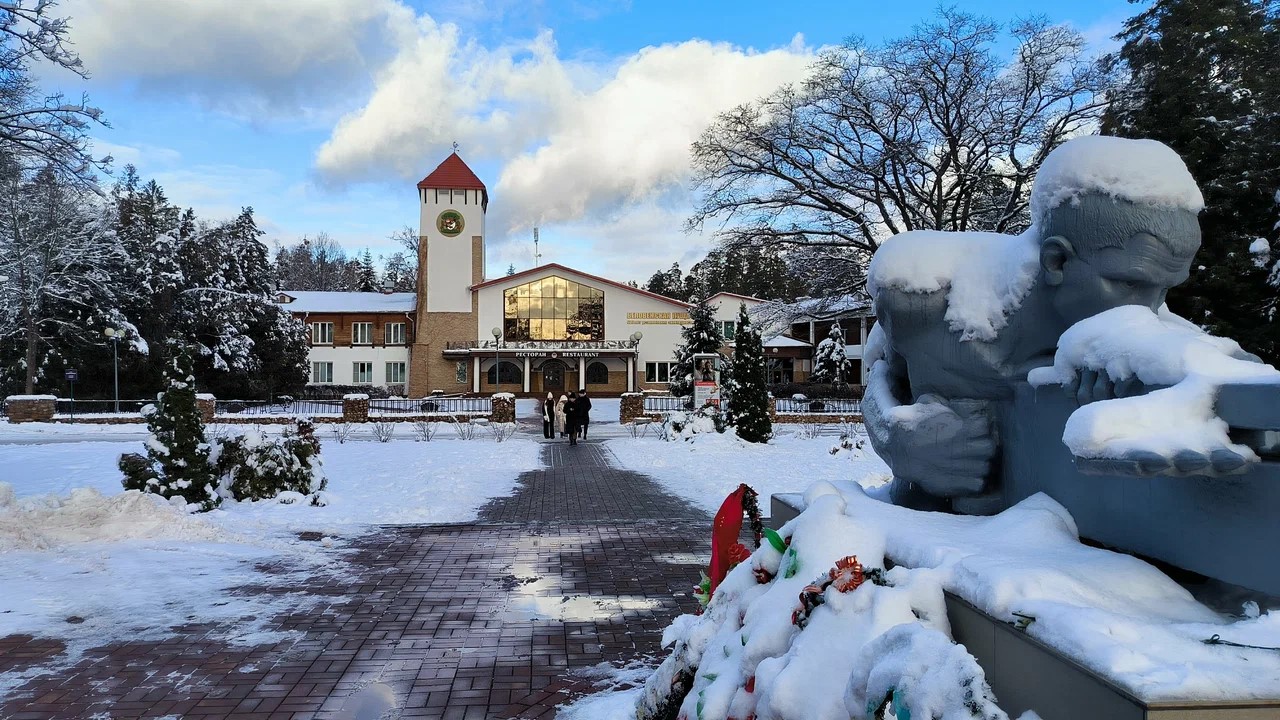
(177, 460)
(701, 335)
(750, 396)
(830, 364)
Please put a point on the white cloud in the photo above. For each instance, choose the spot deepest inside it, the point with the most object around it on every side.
(580, 140)
(243, 56)
(629, 140)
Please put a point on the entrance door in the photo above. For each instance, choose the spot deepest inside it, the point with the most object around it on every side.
(553, 376)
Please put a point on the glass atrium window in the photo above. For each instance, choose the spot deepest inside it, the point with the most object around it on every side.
(553, 308)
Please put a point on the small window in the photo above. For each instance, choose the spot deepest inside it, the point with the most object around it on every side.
(597, 374)
(395, 372)
(728, 328)
(321, 333)
(362, 333)
(321, 372)
(395, 333)
(657, 372)
(460, 372)
(362, 373)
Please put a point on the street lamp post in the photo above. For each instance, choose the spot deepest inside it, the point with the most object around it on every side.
(635, 340)
(114, 337)
(497, 369)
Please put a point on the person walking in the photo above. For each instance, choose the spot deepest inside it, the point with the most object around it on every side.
(584, 411)
(549, 417)
(562, 425)
(571, 417)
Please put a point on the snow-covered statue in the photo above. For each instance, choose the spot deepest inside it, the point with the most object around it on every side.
(964, 317)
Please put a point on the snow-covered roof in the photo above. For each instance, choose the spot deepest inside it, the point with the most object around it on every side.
(316, 301)
(785, 341)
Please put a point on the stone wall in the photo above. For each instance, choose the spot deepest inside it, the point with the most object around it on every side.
(504, 408)
(355, 408)
(631, 407)
(30, 408)
(208, 406)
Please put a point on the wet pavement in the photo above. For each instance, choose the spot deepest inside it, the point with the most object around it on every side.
(583, 564)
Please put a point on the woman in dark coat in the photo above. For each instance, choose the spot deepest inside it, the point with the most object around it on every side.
(571, 417)
(549, 417)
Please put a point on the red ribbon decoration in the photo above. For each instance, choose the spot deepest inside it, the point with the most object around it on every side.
(724, 536)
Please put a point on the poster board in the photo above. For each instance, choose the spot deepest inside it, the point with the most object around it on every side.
(706, 379)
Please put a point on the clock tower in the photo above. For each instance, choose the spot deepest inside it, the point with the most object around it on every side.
(452, 202)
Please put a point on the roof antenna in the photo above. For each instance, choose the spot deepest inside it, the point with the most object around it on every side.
(537, 256)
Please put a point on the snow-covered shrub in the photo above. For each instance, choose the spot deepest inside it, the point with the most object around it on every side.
(177, 460)
(257, 467)
(384, 429)
(502, 431)
(684, 425)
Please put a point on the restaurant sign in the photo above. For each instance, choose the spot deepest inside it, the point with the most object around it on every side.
(557, 354)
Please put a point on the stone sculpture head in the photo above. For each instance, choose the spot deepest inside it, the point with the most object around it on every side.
(1099, 253)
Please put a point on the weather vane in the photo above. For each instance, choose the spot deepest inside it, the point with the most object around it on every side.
(455, 146)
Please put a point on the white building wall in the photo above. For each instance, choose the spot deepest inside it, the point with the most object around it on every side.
(343, 359)
(449, 258)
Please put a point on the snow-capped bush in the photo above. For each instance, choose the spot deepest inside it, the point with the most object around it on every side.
(257, 467)
(684, 425)
(177, 461)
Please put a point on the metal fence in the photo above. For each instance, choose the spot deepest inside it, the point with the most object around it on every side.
(431, 405)
(70, 407)
(308, 408)
(819, 406)
(667, 403)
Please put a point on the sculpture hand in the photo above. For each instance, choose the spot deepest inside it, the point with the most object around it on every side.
(1093, 385)
(945, 453)
(1144, 463)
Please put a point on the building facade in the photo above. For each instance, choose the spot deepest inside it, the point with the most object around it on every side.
(548, 329)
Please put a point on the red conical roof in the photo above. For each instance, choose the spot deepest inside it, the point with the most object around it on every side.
(452, 174)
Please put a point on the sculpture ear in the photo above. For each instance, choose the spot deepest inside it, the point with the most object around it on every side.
(1054, 254)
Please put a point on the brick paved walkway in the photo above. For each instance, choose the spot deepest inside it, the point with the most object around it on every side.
(583, 564)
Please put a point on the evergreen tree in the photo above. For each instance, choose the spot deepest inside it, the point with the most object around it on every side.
(830, 363)
(177, 461)
(1202, 79)
(701, 335)
(750, 395)
(511, 270)
(367, 278)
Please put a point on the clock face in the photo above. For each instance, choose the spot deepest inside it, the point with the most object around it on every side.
(449, 223)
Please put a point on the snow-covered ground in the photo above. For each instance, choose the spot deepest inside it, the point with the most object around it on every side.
(707, 468)
(83, 561)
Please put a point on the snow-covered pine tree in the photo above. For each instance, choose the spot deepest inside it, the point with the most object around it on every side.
(229, 309)
(1201, 78)
(830, 363)
(367, 279)
(57, 256)
(177, 454)
(750, 394)
(701, 335)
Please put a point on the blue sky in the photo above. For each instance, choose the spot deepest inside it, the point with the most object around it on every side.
(322, 114)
